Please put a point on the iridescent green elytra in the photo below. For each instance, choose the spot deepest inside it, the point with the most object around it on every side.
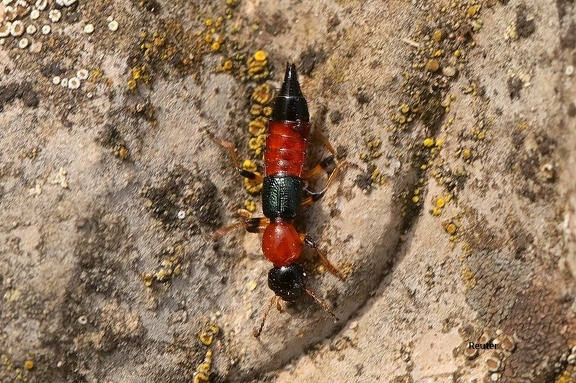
(281, 196)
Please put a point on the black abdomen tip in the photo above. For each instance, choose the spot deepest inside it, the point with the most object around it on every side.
(290, 104)
(290, 86)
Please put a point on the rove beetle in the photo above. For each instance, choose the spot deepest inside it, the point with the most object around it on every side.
(283, 192)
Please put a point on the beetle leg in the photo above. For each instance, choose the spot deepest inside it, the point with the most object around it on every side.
(322, 304)
(256, 225)
(275, 300)
(325, 166)
(308, 241)
(252, 225)
(232, 149)
(328, 165)
(325, 142)
(312, 197)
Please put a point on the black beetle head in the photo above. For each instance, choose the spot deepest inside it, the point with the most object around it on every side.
(287, 282)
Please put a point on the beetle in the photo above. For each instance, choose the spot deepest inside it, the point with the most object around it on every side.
(283, 193)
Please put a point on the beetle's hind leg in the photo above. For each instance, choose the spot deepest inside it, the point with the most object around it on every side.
(328, 165)
(310, 197)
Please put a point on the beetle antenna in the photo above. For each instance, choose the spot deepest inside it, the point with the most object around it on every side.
(322, 304)
(275, 299)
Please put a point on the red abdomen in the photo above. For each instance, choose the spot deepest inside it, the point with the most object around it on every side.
(286, 147)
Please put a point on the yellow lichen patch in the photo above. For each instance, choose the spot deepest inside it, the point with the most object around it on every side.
(260, 55)
(256, 110)
(249, 165)
(440, 202)
(429, 276)
(466, 249)
(258, 66)
(257, 126)
(131, 84)
(140, 73)
(451, 228)
(122, 152)
(479, 133)
(373, 144)
(471, 89)
(258, 71)
(437, 35)
(250, 205)
(257, 144)
(263, 94)
(401, 119)
(158, 41)
(202, 373)
(204, 368)
(374, 175)
(201, 377)
(468, 277)
(29, 364)
(428, 142)
(169, 267)
(137, 72)
(148, 279)
(432, 65)
(181, 46)
(267, 111)
(473, 10)
(566, 377)
(206, 338)
(228, 65)
(95, 75)
(252, 186)
(253, 143)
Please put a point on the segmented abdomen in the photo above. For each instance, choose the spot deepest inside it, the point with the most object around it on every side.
(286, 148)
